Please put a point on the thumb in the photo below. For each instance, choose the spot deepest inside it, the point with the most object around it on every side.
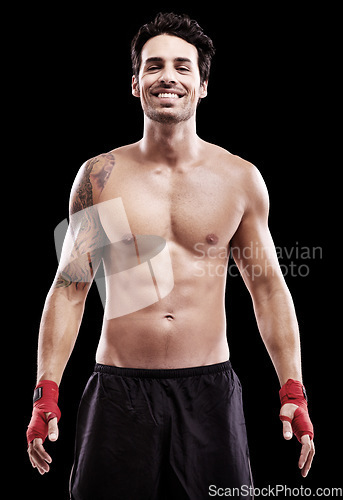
(287, 430)
(286, 415)
(53, 429)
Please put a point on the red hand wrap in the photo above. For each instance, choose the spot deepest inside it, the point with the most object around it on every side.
(293, 392)
(46, 402)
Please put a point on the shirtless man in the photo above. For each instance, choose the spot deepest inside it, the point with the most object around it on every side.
(162, 412)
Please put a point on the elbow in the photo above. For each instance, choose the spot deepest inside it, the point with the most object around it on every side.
(72, 293)
(269, 290)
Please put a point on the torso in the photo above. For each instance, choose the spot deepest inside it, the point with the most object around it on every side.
(197, 209)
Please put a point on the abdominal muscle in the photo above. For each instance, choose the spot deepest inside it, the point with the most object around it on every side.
(185, 328)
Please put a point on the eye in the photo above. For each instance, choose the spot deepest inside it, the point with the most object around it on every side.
(153, 68)
(183, 68)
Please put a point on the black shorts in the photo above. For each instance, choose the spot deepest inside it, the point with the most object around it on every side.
(160, 434)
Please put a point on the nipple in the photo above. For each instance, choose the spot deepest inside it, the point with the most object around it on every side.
(127, 238)
(212, 239)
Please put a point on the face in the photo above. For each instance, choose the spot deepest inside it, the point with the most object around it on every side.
(169, 79)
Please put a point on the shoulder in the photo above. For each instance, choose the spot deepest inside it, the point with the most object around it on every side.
(235, 163)
(246, 176)
(90, 181)
(253, 188)
(251, 179)
(93, 176)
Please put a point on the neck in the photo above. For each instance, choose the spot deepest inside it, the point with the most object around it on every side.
(170, 144)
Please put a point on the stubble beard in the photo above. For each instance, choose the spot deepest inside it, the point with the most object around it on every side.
(159, 115)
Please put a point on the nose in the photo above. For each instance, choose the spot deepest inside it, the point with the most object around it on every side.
(168, 75)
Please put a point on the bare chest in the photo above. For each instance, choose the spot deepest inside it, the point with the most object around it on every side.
(186, 206)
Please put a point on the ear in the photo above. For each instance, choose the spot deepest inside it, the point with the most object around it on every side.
(135, 87)
(203, 89)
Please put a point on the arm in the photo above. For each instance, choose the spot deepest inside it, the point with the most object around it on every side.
(259, 267)
(272, 301)
(64, 306)
(81, 256)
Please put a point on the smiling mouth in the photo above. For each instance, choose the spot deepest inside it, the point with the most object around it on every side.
(168, 95)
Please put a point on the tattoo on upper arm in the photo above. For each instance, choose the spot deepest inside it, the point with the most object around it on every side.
(88, 236)
(84, 192)
(98, 170)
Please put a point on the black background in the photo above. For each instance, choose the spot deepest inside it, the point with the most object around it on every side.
(268, 103)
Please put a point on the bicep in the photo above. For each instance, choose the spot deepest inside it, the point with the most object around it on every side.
(252, 246)
(254, 252)
(85, 238)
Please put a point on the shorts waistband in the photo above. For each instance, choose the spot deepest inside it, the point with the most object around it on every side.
(163, 373)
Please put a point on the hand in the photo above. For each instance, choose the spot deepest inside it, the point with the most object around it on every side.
(39, 458)
(307, 445)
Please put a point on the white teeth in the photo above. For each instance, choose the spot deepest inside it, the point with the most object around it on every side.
(168, 94)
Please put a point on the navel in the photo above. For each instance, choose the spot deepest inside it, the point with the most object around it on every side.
(169, 316)
(212, 239)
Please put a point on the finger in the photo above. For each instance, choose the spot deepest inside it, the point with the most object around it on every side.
(38, 448)
(39, 456)
(38, 463)
(31, 459)
(309, 459)
(41, 465)
(53, 429)
(287, 430)
(305, 451)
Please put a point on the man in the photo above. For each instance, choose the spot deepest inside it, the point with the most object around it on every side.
(161, 416)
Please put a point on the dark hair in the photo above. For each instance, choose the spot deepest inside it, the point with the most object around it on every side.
(181, 26)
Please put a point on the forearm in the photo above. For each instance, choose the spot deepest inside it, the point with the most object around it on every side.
(60, 323)
(278, 326)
